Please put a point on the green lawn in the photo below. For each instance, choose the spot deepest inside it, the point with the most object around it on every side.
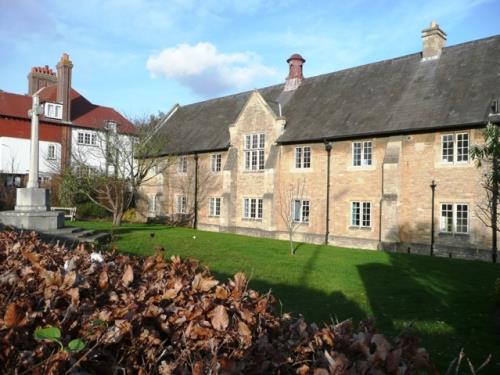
(448, 301)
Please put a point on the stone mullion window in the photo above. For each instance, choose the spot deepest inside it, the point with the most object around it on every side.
(254, 152)
(455, 148)
(181, 203)
(361, 214)
(214, 206)
(303, 157)
(300, 210)
(252, 208)
(361, 153)
(454, 218)
(216, 162)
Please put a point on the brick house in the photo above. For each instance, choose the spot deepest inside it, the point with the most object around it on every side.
(70, 124)
(364, 144)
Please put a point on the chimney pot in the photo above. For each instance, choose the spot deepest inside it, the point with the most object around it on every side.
(433, 41)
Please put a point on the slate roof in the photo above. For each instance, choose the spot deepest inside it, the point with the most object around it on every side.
(83, 113)
(394, 96)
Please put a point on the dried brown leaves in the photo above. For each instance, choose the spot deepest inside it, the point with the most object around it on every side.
(150, 316)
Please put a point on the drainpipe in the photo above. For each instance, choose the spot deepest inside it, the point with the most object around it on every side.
(195, 221)
(328, 149)
(433, 188)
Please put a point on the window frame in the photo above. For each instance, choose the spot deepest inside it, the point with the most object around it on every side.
(182, 165)
(365, 154)
(86, 138)
(216, 163)
(302, 157)
(361, 220)
(304, 212)
(52, 110)
(253, 208)
(254, 151)
(454, 217)
(51, 155)
(180, 204)
(214, 206)
(455, 148)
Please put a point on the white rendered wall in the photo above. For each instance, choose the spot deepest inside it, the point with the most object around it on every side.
(15, 156)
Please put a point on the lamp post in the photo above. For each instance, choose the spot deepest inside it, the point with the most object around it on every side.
(328, 149)
(433, 188)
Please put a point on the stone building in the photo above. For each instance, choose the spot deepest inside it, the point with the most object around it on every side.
(355, 152)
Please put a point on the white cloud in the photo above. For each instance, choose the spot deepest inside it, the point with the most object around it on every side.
(205, 70)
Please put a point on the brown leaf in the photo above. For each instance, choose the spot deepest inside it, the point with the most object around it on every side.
(128, 275)
(203, 284)
(197, 368)
(74, 293)
(13, 315)
(303, 370)
(103, 280)
(221, 293)
(69, 279)
(220, 319)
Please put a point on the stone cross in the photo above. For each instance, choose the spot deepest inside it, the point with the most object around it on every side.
(34, 112)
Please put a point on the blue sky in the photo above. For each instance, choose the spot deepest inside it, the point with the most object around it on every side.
(141, 56)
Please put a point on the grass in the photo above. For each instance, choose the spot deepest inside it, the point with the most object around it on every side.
(448, 301)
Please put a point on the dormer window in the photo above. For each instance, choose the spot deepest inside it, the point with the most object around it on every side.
(53, 110)
(111, 126)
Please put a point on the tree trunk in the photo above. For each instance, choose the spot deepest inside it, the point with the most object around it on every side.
(117, 218)
(292, 250)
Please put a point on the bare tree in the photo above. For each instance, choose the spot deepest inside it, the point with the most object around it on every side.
(488, 154)
(293, 209)
(111, 173)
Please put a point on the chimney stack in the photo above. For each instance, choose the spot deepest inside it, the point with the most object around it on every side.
(64, 68)
(39, 77)
(433, 41)
(295, 76)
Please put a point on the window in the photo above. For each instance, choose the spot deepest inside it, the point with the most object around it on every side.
(252, 208)
(51, 152)
(361, 214)
(303, 157)
(111, 126)
(361, 153)
(454, 218)
(87, 138)
(455, 148)
(300, 210)
(152, 204)
(216, 162)
(182, 165)
(53, 110)
(254, 152)
(214, 206)
(180, 204)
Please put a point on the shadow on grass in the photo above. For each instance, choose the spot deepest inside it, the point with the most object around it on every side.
(447, 313)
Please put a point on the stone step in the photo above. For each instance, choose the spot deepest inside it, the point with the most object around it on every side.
(98, 238)
(66, 230)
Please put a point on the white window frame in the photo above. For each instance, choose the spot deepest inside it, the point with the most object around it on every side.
(253, 208)
(455, 148)
(359, 219)
(214, 206)
(86, 138)
(365, 154)
(53, 110)
(51, 152)
(182, 165)
(443, 224)
(152, 203)
(180, 204)
(303, 157)
(302, 214)
(216, 162)
(254, 148)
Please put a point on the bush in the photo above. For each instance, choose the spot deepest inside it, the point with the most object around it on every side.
(130, 216)
(90, 210)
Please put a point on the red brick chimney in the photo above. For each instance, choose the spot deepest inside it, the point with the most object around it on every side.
(64, 68)
(295, 76)
(40, 76)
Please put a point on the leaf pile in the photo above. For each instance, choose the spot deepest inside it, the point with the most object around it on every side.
(125, 315)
